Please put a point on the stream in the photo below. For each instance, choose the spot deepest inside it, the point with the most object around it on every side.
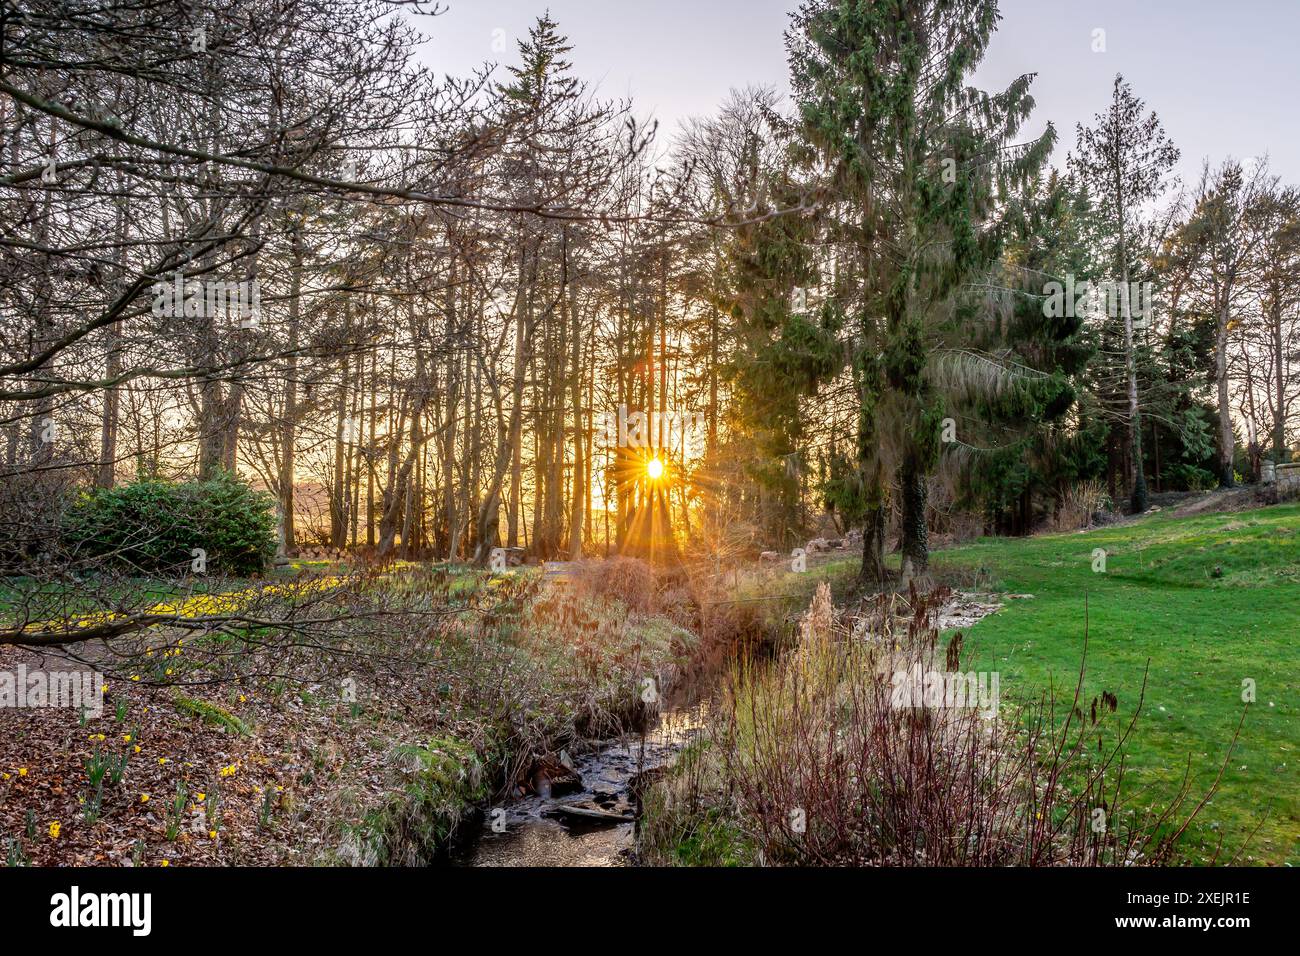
(536, 831)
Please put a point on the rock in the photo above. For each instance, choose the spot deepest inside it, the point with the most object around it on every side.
(835, 544)
(816, 545)
(548, 777)
(592, 815)
(639, 781)
(769, 556)
(963, 611)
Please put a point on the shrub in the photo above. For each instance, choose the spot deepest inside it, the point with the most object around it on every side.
(1080, 503)
(1192, 478)
(629, 580)
(238, 525)
(152, 526)
(813, 759)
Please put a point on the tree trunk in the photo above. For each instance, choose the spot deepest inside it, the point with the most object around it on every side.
(1227, 442)
(916, 544)
(288, 426)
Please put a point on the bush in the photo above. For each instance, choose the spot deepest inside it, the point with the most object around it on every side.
(1192, 478)
(1080, 503)
(625, 579)
(814, 758)
(152, 526)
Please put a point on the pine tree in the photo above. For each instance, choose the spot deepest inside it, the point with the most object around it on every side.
(1018, 441)
(1123, 161)
(920, 167)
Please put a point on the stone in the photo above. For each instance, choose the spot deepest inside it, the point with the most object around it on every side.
(593, 815)
(548, 777)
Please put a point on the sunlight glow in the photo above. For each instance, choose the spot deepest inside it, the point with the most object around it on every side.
(655, 469)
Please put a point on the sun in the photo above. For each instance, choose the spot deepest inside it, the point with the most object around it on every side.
(655, 469)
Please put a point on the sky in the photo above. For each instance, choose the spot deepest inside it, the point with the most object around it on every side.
(1222, 74)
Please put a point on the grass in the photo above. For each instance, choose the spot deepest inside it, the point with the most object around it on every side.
(1210, 601)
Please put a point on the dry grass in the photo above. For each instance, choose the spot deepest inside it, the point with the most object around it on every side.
(1079, 504)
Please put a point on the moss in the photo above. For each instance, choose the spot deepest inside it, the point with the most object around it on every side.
(210, 713)
(415, 824)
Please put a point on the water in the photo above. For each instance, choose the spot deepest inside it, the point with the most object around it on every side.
(535, 835)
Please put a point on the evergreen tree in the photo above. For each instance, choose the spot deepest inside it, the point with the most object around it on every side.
(920, 168)
(1019, 441)
(1123, 161)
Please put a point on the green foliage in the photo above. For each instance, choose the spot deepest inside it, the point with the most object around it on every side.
(1025, 448)
(443, 782)
(152, 526)
(917, 156)
(210, 713)
(1192, 478)
(14, 855)
(176, 811)
(780, 347)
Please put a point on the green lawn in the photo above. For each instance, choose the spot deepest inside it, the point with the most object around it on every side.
(1160, 600)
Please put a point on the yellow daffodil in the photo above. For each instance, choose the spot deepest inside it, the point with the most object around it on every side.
(161, 761)
(22, 771)
(137, 748)
(144, 798)
(55, 828)
(200, 797)
(165, 863)
(212, 834)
